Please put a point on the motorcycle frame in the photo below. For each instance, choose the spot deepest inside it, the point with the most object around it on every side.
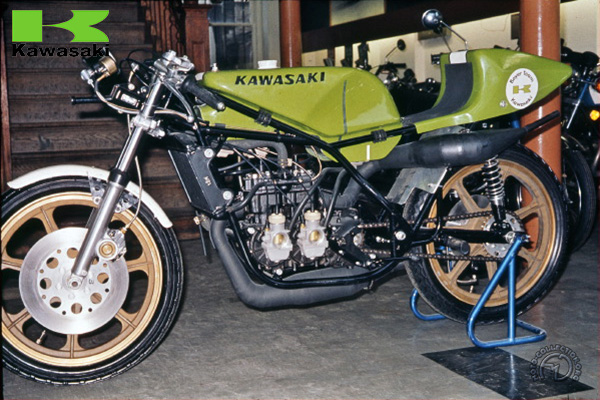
(202, 181)
(194, 182)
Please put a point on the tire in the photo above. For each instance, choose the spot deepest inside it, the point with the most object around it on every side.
(581, 192)
(539, 262)
(133, 329)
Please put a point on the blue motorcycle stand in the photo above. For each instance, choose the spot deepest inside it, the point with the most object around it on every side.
(508, 263)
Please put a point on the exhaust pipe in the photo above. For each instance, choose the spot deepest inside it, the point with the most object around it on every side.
(449, 150)
(453, 150)
(262, 296)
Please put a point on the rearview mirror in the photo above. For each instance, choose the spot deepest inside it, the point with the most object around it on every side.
(400, 45)
(432, 19)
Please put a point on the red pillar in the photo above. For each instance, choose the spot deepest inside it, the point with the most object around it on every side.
(291, 34)
(540, 35)
(197, 45)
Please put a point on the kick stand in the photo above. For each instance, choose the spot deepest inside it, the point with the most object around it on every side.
(508, 263)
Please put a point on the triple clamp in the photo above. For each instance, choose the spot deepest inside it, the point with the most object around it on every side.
(151, 126)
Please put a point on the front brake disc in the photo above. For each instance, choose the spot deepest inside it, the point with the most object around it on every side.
(43, 283)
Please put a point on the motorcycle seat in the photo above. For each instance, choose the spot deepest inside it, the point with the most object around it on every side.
(453, 96)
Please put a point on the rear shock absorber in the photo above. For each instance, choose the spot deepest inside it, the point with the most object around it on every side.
(494, 188)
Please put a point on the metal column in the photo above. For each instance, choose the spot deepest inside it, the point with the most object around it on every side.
(291, 34)
(540, 35)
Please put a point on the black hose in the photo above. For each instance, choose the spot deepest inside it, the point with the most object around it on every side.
(334, 196)
(315, 186)
(247, 144)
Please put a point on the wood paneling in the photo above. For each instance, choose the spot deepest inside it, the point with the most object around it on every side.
(197, 44)
(47, 130)
(6, 164)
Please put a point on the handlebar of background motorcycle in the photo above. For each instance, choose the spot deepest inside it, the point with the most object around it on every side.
(586, 59)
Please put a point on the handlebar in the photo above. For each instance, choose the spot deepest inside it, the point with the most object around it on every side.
(190, 86)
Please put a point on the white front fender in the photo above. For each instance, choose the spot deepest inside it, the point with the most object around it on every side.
(70, 170)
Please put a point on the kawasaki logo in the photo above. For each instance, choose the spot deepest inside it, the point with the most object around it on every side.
(287, 79)
(518, 89)
(27, 26)
(19, 49)
(521, 88)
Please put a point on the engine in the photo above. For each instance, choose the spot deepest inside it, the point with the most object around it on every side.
(284, 221)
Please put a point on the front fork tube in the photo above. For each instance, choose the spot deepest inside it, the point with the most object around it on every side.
(97, 224)
(584, 88)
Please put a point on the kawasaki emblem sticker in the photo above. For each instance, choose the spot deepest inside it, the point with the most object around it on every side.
(521, 88)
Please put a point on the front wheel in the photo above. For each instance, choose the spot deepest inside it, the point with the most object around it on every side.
(534, 204)
(53, 334)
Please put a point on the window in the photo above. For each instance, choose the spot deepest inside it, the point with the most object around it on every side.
(243, 32)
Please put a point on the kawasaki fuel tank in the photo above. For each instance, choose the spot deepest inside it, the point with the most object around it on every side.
(330, 102)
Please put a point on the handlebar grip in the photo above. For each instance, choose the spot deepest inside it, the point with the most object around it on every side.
(204, 95)
(84, 100)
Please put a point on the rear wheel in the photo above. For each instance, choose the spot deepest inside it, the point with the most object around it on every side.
(534, 204)
(55, 334)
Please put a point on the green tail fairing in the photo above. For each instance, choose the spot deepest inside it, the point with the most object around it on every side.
(493, 91)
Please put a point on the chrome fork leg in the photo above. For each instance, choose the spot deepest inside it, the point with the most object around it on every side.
(99, 220)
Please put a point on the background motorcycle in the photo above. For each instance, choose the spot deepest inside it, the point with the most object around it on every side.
(581, 104)
(92, 273)
(580, 112)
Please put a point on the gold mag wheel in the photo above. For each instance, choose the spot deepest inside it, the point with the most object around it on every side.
(144, 267)
(527, 200)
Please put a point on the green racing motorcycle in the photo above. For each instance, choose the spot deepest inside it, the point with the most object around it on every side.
(313, 189)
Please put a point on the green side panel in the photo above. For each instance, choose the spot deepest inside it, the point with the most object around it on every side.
(505, 81)
(331, 103)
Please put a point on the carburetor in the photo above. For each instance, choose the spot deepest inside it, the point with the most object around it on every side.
(311, 238)
(276, 241)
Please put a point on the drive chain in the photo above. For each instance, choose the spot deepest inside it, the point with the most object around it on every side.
(448, 218)
(453, 257)
(449, 257)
